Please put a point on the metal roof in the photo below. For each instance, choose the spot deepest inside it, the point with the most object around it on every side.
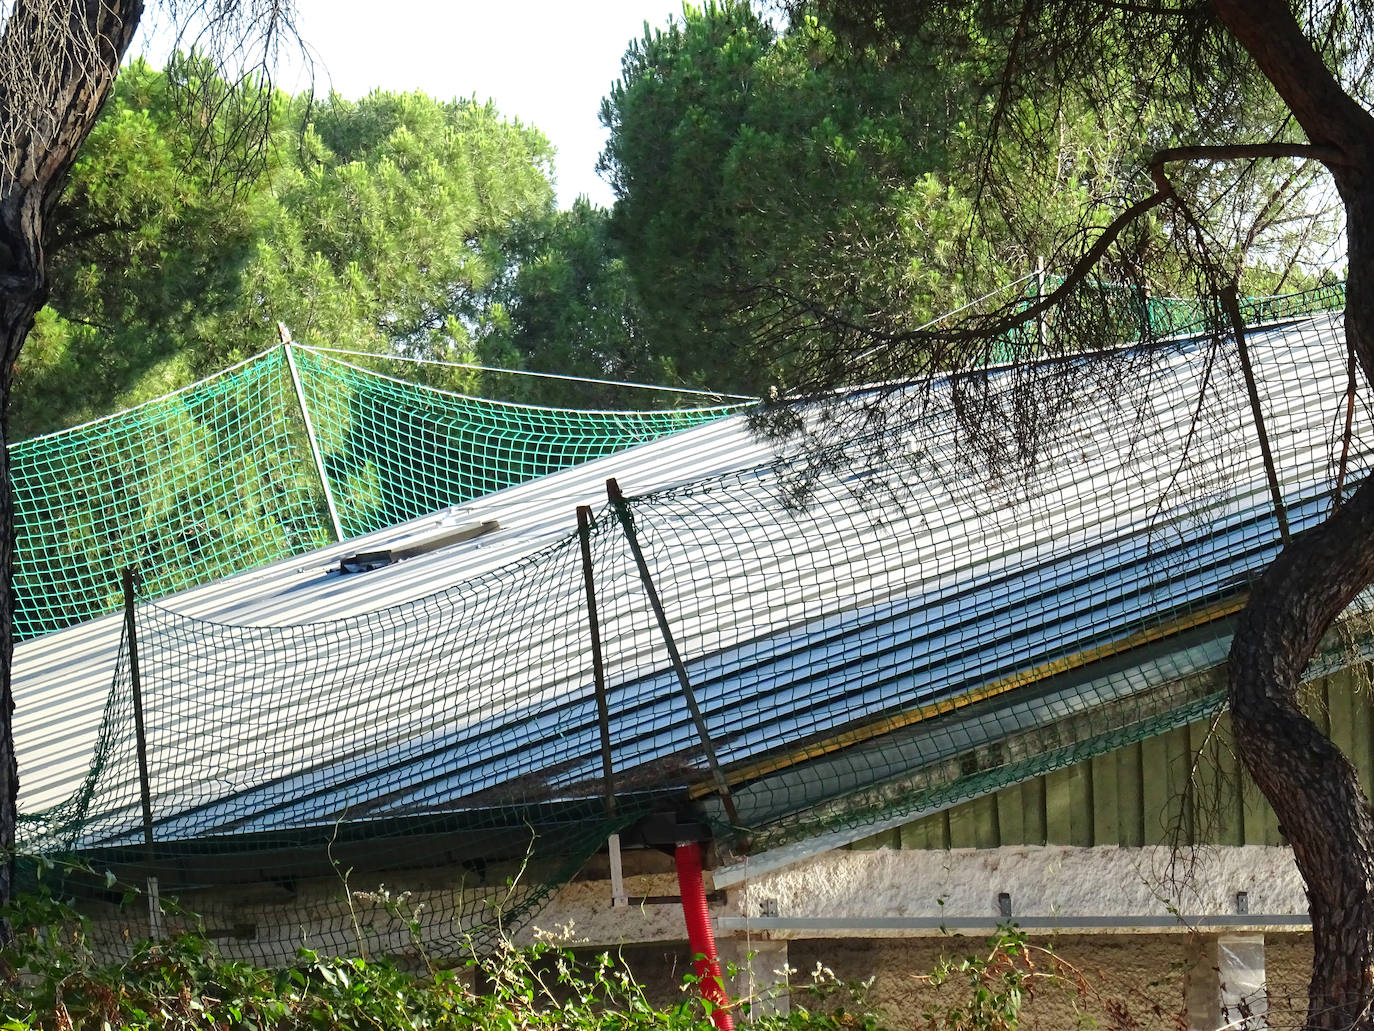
(782, 645)
(61, 679)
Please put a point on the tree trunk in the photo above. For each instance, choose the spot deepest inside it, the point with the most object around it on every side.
(17, 310)
(1312, 786)
(58, 60)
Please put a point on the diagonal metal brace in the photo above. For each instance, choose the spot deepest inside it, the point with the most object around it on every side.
(622, 511)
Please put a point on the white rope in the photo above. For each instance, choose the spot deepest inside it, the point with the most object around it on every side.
(506, 404)
(955, 311)
(144, 404)
(538, 375)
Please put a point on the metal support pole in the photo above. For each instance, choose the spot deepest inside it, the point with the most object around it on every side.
(603, 711)
(1042, 331)
(140, 734)
(1230, 302)
(627, 522)
(141, 744)
(285, 335)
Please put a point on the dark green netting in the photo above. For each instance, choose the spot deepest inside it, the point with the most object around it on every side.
(1138, 315)
(889, 645)
(192, 487)
(867, 634)
(296, 775)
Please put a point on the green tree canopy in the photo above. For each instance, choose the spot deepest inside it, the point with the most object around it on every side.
(767, 177)
(146, 251)
(382, 225)
(568, 304)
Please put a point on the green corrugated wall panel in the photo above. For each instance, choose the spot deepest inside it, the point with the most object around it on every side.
(1106, 798)
(1140, 793)
(1204, 810)
(1157, 787)
(1033, 795)
(1129, 786)
(974, 824)
(1011, 812)
(1362, 719)
(1340, 710)
(930, 832)
(1058, 800)
(1221, 778)
(1069, 805)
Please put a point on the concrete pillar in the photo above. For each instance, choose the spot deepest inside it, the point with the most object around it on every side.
(761, 976)
(1204, 1002)
(1226, 985)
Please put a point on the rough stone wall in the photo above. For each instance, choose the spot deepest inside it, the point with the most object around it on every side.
(1287, 968)
(1128, 981)
(1043, 882)
(261, 924)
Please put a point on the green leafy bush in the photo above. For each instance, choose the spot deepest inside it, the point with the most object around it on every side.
(53, 980)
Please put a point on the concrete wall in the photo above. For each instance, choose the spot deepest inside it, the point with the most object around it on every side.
(961, 888)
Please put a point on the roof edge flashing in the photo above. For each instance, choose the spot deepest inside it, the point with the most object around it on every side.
(365, 561)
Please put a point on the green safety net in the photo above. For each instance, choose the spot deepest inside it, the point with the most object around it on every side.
(1141, 315)
(394, 449)
(193, 487)
(864, 637)
(355, 786)
(219, 477)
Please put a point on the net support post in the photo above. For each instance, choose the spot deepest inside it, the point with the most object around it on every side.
(156, 928)
(1042, 330)
(603, 709)
(145, 793)
(1230, 303)
(622, 510)
(288, 349)
(619, 899)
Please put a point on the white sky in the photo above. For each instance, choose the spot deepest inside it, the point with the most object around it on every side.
(546, 62)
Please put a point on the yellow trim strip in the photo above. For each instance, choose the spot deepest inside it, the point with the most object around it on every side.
(886, 724)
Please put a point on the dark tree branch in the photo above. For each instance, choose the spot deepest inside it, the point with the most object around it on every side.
(1270, 33)
(999, 327)
(1004, 94)
(72, 237)
(1230, 304)
(1086, 262)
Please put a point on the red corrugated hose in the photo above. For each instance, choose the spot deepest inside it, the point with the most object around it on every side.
(699, 936)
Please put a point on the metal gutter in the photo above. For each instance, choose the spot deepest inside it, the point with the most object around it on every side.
(1170, 922)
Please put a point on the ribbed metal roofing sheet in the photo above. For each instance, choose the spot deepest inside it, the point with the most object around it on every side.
(61, 680)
